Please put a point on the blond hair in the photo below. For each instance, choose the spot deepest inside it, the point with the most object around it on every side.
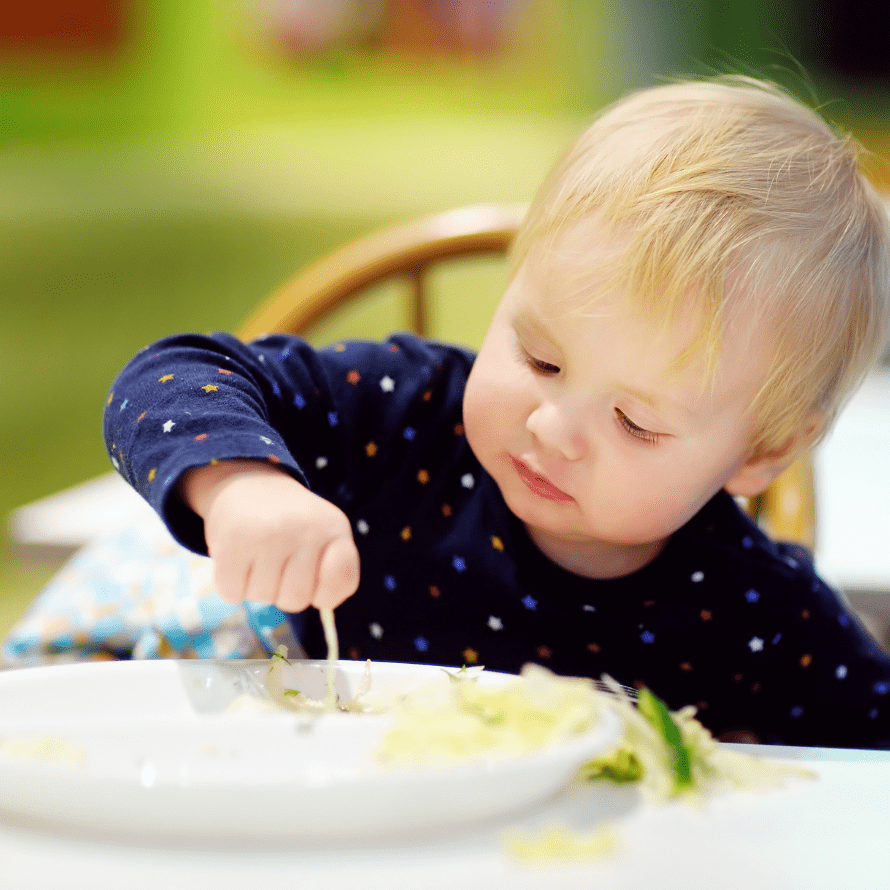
(733, 194)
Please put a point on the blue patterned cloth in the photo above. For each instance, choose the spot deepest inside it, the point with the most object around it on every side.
(138, 594)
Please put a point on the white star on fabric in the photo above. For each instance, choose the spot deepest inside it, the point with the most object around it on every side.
(376, 630)
(168, 426)
(467, 480)
(115, 464)
(321, 463)
(841, 671)
(755, 644)
(361, 527)
(387, 384)
(696, 577)
(266, 440)
(495, 623)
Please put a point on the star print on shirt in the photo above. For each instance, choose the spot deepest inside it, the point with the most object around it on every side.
(210, 388)
(530, 602)
(387, 384)
(467, 480)
(495, 623)
(755, 644)
(168, 426)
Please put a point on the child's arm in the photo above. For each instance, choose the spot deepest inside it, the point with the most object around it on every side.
(320, 432)
(272, 540)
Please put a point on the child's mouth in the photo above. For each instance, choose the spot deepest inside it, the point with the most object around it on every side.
(538, 484)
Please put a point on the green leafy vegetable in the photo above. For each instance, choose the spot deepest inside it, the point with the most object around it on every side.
(657, 713)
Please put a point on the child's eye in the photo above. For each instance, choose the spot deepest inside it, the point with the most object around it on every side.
(636, 431)
(540, 367)
(536, 364)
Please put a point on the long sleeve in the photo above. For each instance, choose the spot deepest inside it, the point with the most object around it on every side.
(337, 419)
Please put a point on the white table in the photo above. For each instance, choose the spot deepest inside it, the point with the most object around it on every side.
(814, 835)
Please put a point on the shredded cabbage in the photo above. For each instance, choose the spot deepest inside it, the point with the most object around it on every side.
(330, 638)
(670, 753)
(456, 717)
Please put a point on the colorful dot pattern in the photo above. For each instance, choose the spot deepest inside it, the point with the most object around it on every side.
(723, 619)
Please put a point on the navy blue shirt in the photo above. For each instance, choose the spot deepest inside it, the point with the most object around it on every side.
(723, 618)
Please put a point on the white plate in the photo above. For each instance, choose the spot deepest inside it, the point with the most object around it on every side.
(144, 749)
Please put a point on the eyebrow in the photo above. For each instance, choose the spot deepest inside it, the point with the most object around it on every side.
(658, 404)
(527, 319)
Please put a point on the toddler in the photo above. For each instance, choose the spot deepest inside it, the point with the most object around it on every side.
(698, 287)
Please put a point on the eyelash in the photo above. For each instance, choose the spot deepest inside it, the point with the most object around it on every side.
(637, 432)
(538, 366)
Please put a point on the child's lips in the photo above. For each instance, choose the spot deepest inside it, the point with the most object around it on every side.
(539, 484)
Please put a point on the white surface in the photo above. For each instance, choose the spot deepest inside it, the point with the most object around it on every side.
(813, 835)
(852, 468)
(58, 525)
(163, 758)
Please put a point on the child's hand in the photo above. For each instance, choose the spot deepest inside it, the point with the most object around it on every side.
(272, 540)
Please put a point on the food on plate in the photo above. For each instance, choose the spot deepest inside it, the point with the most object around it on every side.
(456, 717)
(670, 753)
(333, 646)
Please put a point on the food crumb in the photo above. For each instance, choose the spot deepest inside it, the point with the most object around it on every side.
(560, 843)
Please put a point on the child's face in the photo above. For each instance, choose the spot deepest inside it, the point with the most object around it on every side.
(598, 445)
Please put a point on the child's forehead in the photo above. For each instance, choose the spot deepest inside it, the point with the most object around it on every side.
(576, 266)
(575, 276)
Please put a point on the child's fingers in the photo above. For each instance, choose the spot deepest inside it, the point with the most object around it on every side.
(231, 574)
(338, 573)
(298, 581)
(264, 579)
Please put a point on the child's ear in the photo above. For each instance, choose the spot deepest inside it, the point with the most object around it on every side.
(756, 474)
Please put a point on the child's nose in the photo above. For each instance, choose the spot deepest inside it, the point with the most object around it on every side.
(557, 428)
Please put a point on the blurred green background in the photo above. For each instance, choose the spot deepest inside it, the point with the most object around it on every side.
(164, 164)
